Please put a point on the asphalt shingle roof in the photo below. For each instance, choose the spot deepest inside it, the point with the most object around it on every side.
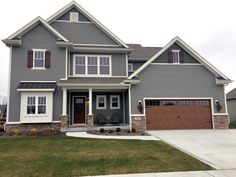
(231, 94)
(37, 85)
(141, 53)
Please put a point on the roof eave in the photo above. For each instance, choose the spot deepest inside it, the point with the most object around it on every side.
(12, 42)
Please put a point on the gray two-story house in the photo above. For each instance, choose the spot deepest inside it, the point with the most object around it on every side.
(71, 72)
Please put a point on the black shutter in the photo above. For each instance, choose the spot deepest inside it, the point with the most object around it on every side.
(30, 59)
(181, 56)
(170, 57)
(47, 59)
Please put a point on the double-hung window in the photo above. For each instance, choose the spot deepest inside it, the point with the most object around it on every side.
(92, 65)
(130, 67)
(39, 58)
(36, 105)
(79, 64)
(104, 65)
(101, 101)
(115, 102)
(176, 57)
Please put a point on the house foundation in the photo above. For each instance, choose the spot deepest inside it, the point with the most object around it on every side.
(221, 121)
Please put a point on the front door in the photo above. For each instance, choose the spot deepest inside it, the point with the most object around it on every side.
(79, 110)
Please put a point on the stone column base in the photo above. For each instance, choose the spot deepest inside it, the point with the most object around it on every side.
(64, 122)
(221, 121)
(139, 123)
(90, 121)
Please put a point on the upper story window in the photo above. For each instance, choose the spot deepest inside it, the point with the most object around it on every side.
(39, 58)
(130, 67)
(92, 65)
(175, 56)
(74, 16)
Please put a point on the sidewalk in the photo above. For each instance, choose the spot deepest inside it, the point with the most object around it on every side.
(213, 173)
(86, 135)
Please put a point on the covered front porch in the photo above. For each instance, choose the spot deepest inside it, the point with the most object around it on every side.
(95, 106)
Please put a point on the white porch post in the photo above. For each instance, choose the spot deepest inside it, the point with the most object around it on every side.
(64, 102)
(90, 102)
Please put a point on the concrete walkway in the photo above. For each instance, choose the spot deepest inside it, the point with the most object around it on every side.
(86, 135)
(213, 173)
(214, 147)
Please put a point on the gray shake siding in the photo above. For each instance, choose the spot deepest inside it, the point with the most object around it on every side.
(164, 57)
(82, 33)
(37, 38)
(176, 81)
(118, 62)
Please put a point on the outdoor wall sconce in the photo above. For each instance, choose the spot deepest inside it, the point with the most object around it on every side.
(218, 106)
(140, 106)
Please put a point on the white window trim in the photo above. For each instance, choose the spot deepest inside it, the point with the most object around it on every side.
(132, 67)
(98, 65)
(114, 96)
(176, 51)
(105, 101)
(74, 20)
(39, 68)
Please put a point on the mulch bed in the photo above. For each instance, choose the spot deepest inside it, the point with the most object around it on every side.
(114, 133)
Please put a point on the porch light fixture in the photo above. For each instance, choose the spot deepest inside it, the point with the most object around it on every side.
(140, 106)
(218, 106)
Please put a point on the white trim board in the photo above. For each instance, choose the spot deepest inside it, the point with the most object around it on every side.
(32, 24)
(90, 17)
(188, 49)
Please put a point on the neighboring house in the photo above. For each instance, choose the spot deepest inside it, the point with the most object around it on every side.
(231, 101)
(70, 72)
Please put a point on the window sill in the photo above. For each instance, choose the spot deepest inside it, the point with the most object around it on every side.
(38, 68)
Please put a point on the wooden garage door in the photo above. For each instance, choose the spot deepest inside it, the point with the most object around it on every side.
(178, 114)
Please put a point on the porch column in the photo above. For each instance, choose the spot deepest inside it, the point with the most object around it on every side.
(90, 102)
(64, 102)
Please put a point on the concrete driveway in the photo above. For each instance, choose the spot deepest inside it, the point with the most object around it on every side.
(214, 147)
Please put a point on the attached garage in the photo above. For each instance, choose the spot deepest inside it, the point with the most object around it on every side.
(178, 114)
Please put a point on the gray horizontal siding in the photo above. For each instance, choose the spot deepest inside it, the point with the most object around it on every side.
(37, 38)
(164, 57)
(83, 33)
(176, 81)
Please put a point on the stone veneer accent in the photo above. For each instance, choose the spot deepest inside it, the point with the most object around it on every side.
(90, 121)
(221, 121)
(64, 122)
(32, 128)
(139, 123)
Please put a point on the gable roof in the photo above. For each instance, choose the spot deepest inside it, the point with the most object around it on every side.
(231, 94)
(141, 53)
(90, 17)
(188, 49)
(34, 23)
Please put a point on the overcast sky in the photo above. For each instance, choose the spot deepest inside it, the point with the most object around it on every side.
(208, 26)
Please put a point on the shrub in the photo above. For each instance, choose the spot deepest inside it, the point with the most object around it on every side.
(133, 130)
(102, 130)
(118, 130)
(110, 131)
(34, 130)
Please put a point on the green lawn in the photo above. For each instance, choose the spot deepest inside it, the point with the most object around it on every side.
(65, 156)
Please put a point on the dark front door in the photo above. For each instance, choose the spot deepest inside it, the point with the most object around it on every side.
(79, 110)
